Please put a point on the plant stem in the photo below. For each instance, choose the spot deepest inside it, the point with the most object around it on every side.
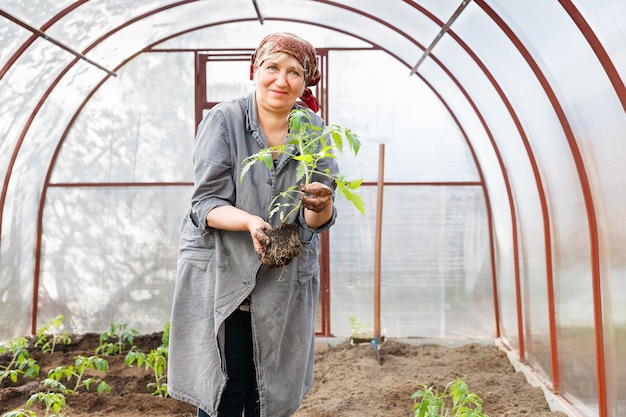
(80, 377)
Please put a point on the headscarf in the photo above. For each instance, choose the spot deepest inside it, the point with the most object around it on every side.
(301, 49)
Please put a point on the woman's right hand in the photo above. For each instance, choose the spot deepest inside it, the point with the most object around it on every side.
(257, 228)
(235, 219)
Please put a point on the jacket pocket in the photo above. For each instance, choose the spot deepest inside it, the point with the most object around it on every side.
(197, 245)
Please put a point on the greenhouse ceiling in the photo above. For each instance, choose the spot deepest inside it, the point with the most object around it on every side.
(526, 97)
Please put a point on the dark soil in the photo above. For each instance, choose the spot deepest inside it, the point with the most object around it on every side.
(349, 381)
(282, 246)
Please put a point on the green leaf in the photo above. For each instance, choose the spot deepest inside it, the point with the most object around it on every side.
(31, 400)
(101, 364)
(103, 387)
(295, 120)
(87, 382)
(337, 140)
(301, 171)
(354, 198)
(353, 140)
(54, 384)
(353, 185)
(268, 160)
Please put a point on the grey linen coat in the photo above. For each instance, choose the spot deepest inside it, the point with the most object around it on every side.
(218, 269)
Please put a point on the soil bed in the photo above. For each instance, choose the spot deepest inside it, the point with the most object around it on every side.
(349, 382)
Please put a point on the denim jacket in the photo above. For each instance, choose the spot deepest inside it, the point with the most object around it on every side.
(218, 269)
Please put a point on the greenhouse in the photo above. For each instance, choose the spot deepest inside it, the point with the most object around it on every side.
(492, 134)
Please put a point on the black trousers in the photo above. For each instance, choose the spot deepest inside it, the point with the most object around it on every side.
(240, 395)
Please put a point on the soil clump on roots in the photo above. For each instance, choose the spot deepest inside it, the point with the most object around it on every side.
(282, 246)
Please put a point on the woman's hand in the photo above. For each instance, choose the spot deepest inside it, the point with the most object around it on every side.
(317, 200)
(316, 196)
(235, 219)
(257, 228)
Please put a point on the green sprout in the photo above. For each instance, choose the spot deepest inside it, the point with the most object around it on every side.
(20, 363)
(49, 335)
(52, 401)
(116, 340)
(433, 403)
(77, 372)
(155, 361)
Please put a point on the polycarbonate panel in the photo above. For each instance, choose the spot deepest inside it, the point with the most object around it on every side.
(362, 22)
(606, 17)
(138, 127)
(226, 36)
(435, 268)
(578, 92)
(598, 121)
(405, 17)
(113, 141)
(33, 152)
(12, 36)
(20, 95)
(34, 12)
(110, 255)
(227, 79)
(151, 29)
(83, 26)
(615, 335)
(486, 121)
(418, 133)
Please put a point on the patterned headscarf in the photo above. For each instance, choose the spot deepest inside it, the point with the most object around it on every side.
(301, 49)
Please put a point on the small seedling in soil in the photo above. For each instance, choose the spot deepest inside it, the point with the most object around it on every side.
(77, 371)
(307, 144)
(52, 401)
(165, 337)
(156, 361)
(362, 333)
(432, 403)
(49, 335)
(117, 340)
(20, 362)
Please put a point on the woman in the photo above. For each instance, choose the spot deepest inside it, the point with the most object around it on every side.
(241, 338)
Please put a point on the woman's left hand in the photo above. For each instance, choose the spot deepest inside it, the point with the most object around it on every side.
(316, 196)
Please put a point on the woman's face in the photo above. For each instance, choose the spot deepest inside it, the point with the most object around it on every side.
(279, 83)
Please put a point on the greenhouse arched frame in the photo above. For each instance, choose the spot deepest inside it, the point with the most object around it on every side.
(503, 125)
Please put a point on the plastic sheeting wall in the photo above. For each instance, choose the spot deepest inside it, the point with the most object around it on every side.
(121, 183)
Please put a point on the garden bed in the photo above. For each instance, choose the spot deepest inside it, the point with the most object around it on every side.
(349, 382)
